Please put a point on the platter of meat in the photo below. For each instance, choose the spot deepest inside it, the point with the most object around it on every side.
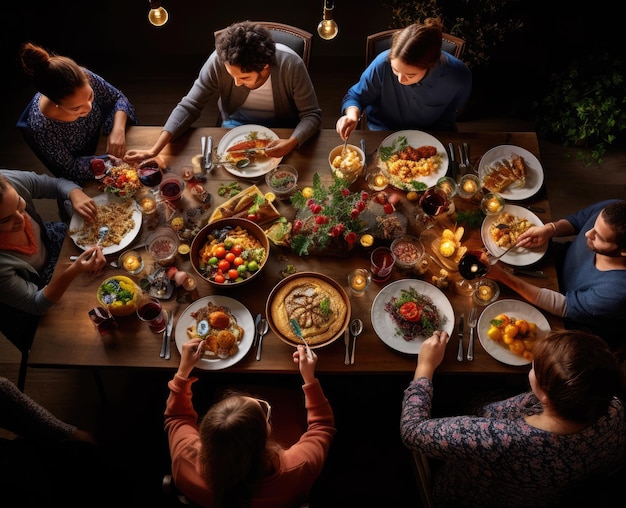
(247, 141)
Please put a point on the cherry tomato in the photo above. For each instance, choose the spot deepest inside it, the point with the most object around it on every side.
(230, 257)
(410, 311)
(219, 278)
(223, 265)
(253, 217)
(237, 249)
(238, 261)
(233, 274)
(219, 251)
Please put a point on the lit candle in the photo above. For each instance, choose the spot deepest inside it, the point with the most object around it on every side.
(367, 240)
(485, 293)
(493, 205)
(148, 205)
(189, 283)
(469, 186)
(359, 282)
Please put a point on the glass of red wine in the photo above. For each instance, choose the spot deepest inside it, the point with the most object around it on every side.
(150, 174)
(474, 264)
(433, 202)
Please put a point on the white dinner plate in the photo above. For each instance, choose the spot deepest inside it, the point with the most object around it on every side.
(244, 319)
(514, 308)
(519, 256)
(384, 326)
(534, 173)
(417, 139)
(239, 134)
(77, 222)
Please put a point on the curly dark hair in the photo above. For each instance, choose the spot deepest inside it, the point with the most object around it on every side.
(247, 45)
(615, 216)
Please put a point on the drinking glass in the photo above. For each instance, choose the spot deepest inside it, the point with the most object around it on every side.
(474, 264)
(151, 311)
(150, 174)
(433, 202)
(382, 261)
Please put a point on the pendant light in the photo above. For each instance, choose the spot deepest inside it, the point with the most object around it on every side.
(327, 28)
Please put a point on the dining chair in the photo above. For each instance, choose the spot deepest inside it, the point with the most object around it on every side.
(293, 37)
(424, 478)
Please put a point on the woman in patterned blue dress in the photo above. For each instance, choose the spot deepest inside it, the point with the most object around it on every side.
(72, 108)
(531, 449)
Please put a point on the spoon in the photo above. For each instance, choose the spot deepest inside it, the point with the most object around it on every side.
(102, 232)
(296, 329)
(240, 164)
(356, 327)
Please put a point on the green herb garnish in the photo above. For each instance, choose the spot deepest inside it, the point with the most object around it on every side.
(325, 307)
(398, 144)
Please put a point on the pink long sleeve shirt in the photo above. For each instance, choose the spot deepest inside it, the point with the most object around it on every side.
(296, 468)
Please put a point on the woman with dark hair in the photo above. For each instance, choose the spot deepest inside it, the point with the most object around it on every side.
(71, 109)
(531, 449)
(256, 81)
(413, 85)
(231, 459)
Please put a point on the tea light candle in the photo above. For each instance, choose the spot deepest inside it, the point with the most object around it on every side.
(367, 240)
(189, 284)
(379, 182)
(492, 203)
(359, 282)
(447, 185)
(148, 205)
(469, 186)
(485, 292)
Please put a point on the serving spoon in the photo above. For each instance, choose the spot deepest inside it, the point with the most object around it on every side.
(240, 164)
(356, 327)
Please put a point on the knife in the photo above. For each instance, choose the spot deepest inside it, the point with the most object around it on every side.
(208, 159)
(167, 335)
(346, 341)
(459, 355)
(256, 328)
(529, 273)
(453, 165)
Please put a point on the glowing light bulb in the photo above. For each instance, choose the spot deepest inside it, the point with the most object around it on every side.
(327, 28)
(158, 16)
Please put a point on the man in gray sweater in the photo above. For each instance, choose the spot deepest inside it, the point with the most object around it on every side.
(257, 82)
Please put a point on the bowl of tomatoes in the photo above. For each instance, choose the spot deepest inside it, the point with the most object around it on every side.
(229, 252)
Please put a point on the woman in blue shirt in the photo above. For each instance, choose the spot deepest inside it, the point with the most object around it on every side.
(413, 85)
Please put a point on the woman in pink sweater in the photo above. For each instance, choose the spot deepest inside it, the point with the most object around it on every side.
(230, 458)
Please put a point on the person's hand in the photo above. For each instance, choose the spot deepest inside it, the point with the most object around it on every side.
(535, 236)
(305, 364)
(116, 143)
(431, 354)
(280, 147)
(345, 126)
(83, 205)
(91, 261)
(138, 155)
(192, 351)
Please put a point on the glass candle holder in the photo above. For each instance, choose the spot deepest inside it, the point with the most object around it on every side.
(447, 185)
(359, 280)
(377, 182)
(492, 203)
(486, 292)
(468, 186)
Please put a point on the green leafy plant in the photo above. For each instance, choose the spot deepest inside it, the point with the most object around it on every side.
(483, 24)
(586, 105)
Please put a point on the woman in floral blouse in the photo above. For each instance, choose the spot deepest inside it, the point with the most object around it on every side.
(528, 450)
(71, 109)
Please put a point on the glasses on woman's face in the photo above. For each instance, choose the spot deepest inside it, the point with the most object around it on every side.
(267, 409)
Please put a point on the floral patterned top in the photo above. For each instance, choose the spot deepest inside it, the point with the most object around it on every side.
(64, 147)
(496, 459)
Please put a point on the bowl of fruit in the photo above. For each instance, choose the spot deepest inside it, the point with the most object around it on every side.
(229, 252)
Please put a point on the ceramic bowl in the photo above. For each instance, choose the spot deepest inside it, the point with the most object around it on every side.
(205, 257)
(348, 166)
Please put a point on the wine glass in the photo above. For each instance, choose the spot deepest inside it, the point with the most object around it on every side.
(433, 202)
(150, 174)
(474, 264)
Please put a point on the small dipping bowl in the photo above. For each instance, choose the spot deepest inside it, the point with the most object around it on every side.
(163, 245)
(408, 250)
(486, 292)
(282, 181)
(131, 262)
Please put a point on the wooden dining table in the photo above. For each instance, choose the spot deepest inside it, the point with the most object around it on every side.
(66, 337)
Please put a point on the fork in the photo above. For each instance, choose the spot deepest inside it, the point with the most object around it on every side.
(471, 322)
(462, 164)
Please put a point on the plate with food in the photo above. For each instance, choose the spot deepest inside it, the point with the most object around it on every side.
(122, 215)
(508, 321)
(500, 231)
(407, 311)
(247, 142)
(249, 204)
(511, 171)
(412, 160)
(317, 302)
(226, 326)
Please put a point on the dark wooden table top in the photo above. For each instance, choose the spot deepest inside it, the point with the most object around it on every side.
(67, 338)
